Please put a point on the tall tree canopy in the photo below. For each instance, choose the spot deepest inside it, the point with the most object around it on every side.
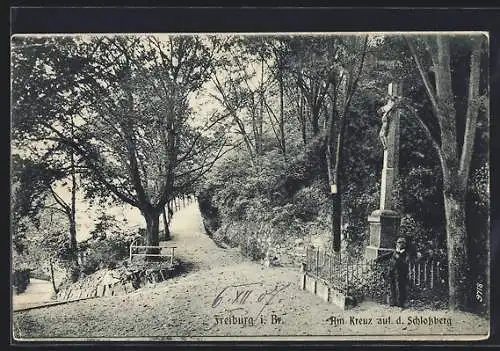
(129, 100)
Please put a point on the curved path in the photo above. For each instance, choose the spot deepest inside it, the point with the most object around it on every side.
(220, 294)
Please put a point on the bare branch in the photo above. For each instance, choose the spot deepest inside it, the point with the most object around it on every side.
(92, 165)
(425, 78)
(60, 201)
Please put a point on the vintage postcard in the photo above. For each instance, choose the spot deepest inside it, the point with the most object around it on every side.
(250, 186)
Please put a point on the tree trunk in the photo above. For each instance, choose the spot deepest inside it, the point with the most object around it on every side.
(262, 107)
(304, 135)
(336, 220)
(454, 204)
(72, 227)
(165, 225)
(72, 235)
(302, 117)
(315, 120)
(170, 212)
(74, 267)
(454, 185)
(332, 165)
(153, 226)
(72, 219)
(282, 113)
(337, 180)
(52, 279)
(455, 168)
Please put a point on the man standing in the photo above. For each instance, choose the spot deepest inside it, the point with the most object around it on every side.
(398, 274)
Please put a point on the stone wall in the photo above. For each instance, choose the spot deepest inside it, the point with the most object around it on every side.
(114, 282)
(326, 292)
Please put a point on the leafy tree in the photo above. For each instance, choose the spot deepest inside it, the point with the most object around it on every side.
(38, 163)
(34, 196)
(130, 96)
(330, 67)
(453, 134)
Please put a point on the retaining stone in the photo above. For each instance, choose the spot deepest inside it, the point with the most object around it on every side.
(91, 286)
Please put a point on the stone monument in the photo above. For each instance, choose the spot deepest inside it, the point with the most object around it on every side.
(385, 222)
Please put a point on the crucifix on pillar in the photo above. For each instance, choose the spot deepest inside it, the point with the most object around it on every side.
(385, 221)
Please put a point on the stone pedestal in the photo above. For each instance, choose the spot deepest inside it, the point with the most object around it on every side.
(384, 230)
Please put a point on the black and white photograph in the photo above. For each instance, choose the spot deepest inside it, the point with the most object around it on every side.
(250, 186)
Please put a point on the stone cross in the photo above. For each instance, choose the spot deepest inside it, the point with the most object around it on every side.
(384, 222)
(391, 153)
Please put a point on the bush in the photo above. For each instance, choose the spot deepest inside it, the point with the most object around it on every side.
(208, 210)
(253, 249)
(436, 298)
(104, 253)
(20, 280)
(375, 286)
(308, 202)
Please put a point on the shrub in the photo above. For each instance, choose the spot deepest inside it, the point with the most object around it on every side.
(20, 280)
(253, 249)
(208, 210)
(104, 253)
(308, 202)
(436, 298)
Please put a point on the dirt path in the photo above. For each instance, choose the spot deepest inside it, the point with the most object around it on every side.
(222, 294)
(38, 292)
(195, 247)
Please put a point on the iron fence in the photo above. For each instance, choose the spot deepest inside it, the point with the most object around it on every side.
(346, 273)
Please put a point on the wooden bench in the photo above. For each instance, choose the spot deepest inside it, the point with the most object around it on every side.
(134, 248)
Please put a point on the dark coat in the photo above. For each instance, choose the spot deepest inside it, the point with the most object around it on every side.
(397, 278)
